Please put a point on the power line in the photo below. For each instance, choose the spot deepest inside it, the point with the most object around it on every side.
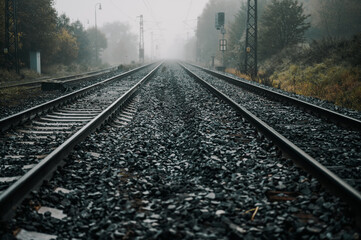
(189, 26)
(128, 16)
(150, 10)
(189, 9)
(147, 5)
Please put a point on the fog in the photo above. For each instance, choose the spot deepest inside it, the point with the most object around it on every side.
(167, 23)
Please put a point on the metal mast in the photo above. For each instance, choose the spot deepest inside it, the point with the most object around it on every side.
(250, 65)
(141, 40)
(152, 47)
(96, 33)
(11, 36)
(198, 50)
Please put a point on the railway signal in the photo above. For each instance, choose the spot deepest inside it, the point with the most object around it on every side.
(219, 24)
(220, 17)
(223, 45)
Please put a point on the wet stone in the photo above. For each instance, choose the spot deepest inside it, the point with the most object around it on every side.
(211, 196)
(184, 164)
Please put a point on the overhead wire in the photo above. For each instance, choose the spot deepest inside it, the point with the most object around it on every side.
(185, 22)
(147, 5)
(128, 16)
(189, 26)
(189, 9)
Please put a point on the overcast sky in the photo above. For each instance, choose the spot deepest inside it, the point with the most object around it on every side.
(168, 20)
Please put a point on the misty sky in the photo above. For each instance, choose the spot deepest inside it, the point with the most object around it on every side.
(168, 20)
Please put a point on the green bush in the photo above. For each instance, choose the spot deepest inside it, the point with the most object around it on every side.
(328, 69)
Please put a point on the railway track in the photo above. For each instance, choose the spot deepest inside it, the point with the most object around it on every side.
(330, 115)
(187, 166)
(298, 134)
(65, 79)
(38, 139)
(34, 95)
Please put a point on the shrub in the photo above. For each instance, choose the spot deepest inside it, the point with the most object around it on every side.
(335, 83)
(238, 73)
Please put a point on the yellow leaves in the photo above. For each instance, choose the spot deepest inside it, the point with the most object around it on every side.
(67, 46)
(237, 73)
(294, 69)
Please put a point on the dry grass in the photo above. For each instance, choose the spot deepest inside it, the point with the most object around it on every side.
(15, 96)
(11, 76)
(238, 73)
(57, 70)
(335, 83)
(60, 70)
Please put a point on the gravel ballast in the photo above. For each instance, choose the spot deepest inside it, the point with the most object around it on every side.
(316, 101)
(186, 167)
(331, 145)
(24, 146)
(31, 97)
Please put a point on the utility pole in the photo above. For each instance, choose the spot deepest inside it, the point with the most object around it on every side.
(250, 64)
(11, 36)
(152, 46)
(96, 32)
(141, 40)
(198, 50)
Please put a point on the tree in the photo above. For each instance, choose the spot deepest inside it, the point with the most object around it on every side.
(336, 18)
(40, 29)
(37, 27)
(83, 42)
(62, 22)
(77, 31)
(236, 38)
(283, 24)
(122, 43)
(2, 32)
(97, 42)
(66, 47)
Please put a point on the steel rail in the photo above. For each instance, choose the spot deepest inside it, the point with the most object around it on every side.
(330, 180)
(86, 74)
(28, 114)
(76, 77)
(61, 83)
(15, 194)
(341, 119)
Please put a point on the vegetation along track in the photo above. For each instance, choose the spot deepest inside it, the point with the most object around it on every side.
(336, 148)
(38, 139)
(186, 167)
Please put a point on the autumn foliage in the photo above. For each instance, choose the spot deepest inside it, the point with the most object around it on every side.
(67, 47)
(338, 84)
